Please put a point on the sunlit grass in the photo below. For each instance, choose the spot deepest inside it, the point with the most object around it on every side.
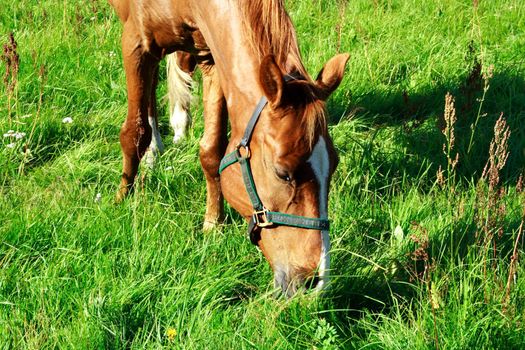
(79, 271)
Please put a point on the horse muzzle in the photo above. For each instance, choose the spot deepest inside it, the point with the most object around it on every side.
(289, 281)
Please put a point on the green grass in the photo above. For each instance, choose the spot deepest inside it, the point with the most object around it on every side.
(80, 273)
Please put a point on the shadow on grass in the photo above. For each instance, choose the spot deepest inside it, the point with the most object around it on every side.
(415, 122)
(399, 279)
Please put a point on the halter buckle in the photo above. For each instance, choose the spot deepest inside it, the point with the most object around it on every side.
(261, 218)
(247, 151)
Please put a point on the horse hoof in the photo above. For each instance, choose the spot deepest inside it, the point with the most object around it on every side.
(150, 158)
(178, 136)
(119, 198)
(122, 194)
(209, 226)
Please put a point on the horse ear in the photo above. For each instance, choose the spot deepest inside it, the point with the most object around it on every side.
(331, 75)
(271, 80)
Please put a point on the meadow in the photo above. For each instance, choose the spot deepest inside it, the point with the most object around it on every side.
(427, 204)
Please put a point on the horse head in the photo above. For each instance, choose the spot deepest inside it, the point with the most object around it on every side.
(291, 161)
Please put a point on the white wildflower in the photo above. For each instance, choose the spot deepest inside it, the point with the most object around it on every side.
(98, 197)
(112, 54)
(67, 120)
(169, 168)
(16, 134)
(10, 145)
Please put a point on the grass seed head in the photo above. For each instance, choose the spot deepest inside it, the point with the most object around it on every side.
(450, 120)
(498, 153)
(440, 177)
(12, 62)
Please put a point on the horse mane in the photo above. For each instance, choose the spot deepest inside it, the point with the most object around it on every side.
(270, 31)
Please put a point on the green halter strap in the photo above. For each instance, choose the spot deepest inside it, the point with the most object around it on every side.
(262, 217)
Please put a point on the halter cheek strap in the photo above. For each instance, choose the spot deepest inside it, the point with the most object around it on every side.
(261, 216)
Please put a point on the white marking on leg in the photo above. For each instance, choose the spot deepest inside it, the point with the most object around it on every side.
(180, 122)
(320, 163)
(179, 94)
(155, 147)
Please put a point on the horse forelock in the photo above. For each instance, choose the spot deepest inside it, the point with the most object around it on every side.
(313, 111)
(314, 121)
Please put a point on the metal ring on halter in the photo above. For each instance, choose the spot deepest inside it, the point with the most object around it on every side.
(246, 149)
(261, 218)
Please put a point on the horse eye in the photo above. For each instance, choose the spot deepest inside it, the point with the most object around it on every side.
(283, 175)
(286, 178)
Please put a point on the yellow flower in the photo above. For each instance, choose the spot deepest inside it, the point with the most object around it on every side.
(171, 333)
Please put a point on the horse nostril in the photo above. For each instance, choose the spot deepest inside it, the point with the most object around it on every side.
(280, 280)
(289, 284)
(311, 282)
(286, 284)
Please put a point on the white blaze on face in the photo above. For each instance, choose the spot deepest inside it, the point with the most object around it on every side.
(320, 163)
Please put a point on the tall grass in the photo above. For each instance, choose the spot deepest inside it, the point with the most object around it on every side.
(426, 243)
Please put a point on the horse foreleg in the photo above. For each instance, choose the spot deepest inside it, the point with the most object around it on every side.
(135, 134)
(179, 67)
(213, 144)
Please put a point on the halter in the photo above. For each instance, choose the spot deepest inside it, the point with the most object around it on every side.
(261, 216)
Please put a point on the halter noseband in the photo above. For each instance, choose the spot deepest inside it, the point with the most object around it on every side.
(261, 216)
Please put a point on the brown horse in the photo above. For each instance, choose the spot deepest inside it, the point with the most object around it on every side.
(246, 50)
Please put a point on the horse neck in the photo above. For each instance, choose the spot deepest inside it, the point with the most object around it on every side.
(236, 60)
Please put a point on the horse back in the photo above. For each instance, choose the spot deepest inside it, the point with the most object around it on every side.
(166, 24)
